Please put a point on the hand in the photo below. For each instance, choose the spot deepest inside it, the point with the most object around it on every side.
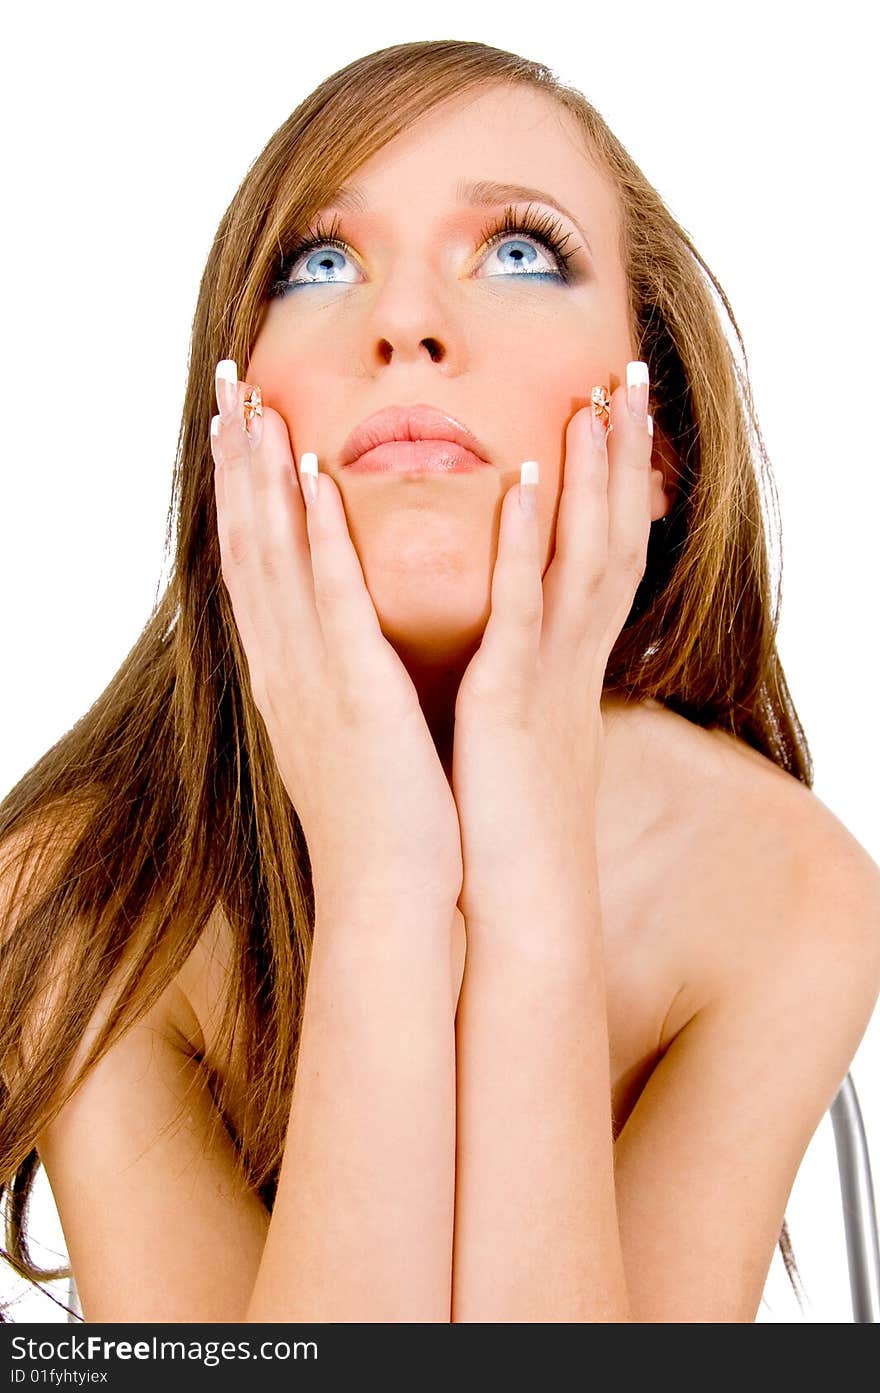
(527, 748)
(341, 713)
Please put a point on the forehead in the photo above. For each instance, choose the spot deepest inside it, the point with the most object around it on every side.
(459, 151)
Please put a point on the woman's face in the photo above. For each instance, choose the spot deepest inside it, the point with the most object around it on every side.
(423, 311)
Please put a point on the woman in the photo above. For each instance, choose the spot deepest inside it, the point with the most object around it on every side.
(460, 856)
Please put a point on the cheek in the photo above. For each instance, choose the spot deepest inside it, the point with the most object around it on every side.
(264, 355)
(280, 358)
(291, 346)
(293, 386)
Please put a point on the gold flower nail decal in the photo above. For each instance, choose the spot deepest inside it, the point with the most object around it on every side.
(601, 403)
(253, 404)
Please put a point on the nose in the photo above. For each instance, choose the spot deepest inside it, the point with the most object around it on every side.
(432, 348)
(409, 319)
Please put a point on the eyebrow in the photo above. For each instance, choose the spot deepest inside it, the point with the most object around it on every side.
(479, 193)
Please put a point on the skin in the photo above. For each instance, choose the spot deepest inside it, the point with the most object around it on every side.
(770, 906)
(554, 1219)
(329, 355)
(522, 642)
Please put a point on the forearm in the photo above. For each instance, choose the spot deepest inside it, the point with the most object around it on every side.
(536, 1230)
(362, 1223)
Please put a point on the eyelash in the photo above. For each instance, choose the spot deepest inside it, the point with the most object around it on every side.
(544, 228)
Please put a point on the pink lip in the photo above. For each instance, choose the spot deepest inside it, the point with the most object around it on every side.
(410, 424)
(417, 457)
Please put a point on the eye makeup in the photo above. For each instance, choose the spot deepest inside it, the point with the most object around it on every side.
(543, 228)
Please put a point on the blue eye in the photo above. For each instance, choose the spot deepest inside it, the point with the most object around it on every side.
(518, 254)
(326, 259)
(328, 250)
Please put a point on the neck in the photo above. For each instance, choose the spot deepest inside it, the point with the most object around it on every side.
(437, 678)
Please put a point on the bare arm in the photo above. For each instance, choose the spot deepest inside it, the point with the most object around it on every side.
(361, 1227)
(536, 1234)
(362, 1223)
(140, 1162)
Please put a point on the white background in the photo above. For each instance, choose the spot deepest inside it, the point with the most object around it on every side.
(127, 131)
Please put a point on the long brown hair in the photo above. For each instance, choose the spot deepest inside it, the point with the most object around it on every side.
(163, 803)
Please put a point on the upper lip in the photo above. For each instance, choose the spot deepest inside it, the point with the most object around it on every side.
(418, 422)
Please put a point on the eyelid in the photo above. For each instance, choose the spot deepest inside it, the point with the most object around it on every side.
(544, 228)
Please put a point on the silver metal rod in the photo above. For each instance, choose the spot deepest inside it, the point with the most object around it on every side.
(857, 1196)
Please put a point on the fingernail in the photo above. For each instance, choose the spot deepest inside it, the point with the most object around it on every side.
(637, 390)
(254, 429)
(600, 415)
(216, 454)
(528, 486)
(226, 380)
(308, 474)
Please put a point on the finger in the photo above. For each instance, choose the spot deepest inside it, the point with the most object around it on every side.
(281, 553)
(512, 636)
(230, 448)
(236, 529)
(629, 480)
(348, 618)
(581, 553)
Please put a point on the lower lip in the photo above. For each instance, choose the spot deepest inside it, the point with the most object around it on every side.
(417, 457)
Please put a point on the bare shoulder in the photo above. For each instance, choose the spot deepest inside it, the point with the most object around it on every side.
(769, 910)
(755, 866)
(768, 817)
(719, 787)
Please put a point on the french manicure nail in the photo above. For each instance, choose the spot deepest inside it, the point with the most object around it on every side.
(216, 452)
(308, 474)
(637, 390)
(226, 378)
(528, 486)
